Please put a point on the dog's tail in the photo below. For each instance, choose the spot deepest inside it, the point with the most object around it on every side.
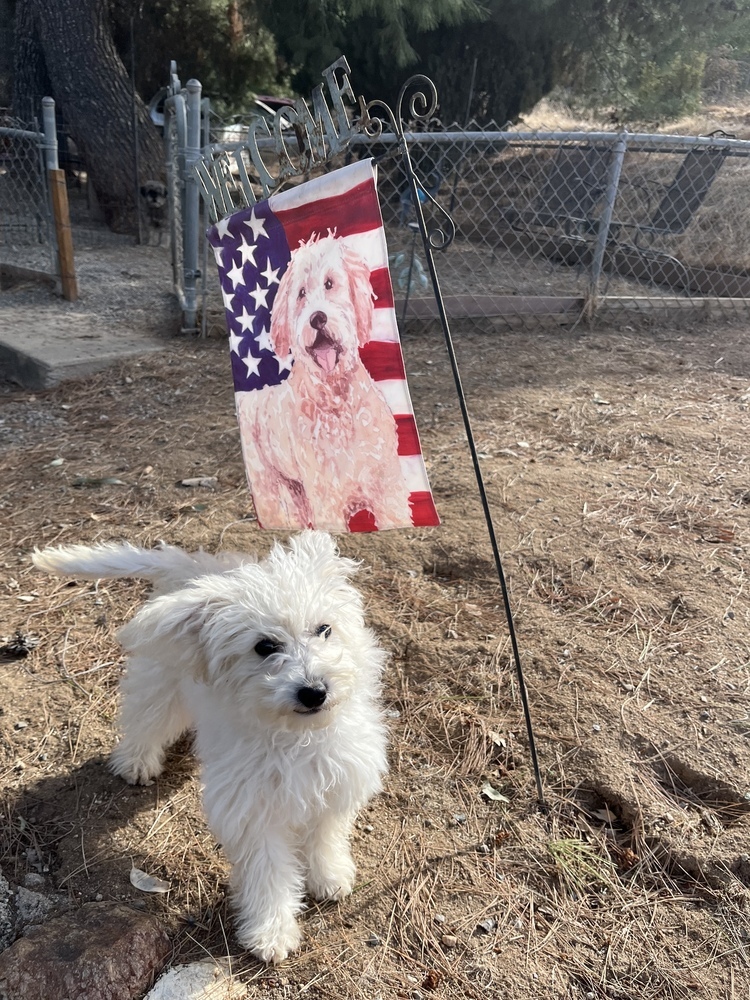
(167, 566)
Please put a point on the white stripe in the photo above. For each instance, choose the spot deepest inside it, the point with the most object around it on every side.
(327, 186)
(396, 394)
(370, 246)
(384, 326)
(414, 473)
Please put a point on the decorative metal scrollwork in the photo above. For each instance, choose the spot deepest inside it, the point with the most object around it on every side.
(420, 99)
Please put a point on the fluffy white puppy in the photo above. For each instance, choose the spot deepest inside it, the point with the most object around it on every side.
(272, 665)
(323, 445)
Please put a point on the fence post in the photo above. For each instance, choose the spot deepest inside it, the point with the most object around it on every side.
(191, 217)
(60, 208)
(613, 182)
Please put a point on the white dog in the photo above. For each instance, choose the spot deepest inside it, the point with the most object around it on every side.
(323, 446)
(272, 665)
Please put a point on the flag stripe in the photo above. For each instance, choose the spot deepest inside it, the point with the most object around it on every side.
(408, 437)
(357, 211)
(383, 360)
(380, 280)
(423, 512)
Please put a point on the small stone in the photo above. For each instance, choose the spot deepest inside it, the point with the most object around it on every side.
(483, 849)
(486, 926)
(21, 725)
(459, 819)
(451, 634)
(596, 728)
(373, 941)
(98, 897)
(33, 907)
(439, 918)
(367, 828)
(448, 941)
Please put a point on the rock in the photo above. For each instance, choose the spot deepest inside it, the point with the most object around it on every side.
(104, 951)
(449, 941)
(33, 907)
(7, 917)
(197, 981)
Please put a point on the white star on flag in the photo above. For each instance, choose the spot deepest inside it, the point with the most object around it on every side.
(247, 252)
(264, 341)
(234, 342)
(270, 274)
(218, 255)
(259, 294)
(235, 275)
(227, 296)
(252, 364)
(245, 320)
(257, 225)
(285, 364)
(222, 227)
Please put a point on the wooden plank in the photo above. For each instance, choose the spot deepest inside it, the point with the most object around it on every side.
(61, 212)
(628, 262)
(486, 306)
(27, 274)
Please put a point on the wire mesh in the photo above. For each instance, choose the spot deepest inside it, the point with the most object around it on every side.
(551, 224)
(26, 233)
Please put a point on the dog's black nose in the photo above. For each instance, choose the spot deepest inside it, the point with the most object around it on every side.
(318, 320)
(312, 697)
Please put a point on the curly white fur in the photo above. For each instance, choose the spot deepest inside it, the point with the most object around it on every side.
(323, 445)
(273, 666)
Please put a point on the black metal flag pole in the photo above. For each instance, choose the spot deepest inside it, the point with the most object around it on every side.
(422, 105)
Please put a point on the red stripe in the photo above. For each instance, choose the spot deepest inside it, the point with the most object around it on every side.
(423, 512)
(383, 360)
(363, 520)
(408, 437)
(380, 280)
(354, 211)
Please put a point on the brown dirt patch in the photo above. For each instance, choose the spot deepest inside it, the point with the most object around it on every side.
(616, 463)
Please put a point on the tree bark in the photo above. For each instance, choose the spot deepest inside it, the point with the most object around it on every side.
(71, 41)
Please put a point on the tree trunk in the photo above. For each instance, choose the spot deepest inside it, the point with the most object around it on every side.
(93, 90)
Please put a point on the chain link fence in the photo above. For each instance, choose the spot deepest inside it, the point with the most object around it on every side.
(550, 225)
(26, 228)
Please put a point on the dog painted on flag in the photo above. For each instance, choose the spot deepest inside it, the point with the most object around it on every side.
(326, 424)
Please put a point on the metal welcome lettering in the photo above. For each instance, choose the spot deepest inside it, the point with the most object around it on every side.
(298, 139)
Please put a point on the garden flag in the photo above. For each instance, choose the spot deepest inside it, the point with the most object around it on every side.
(326, 422)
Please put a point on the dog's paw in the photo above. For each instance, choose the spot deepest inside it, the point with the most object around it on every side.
(272, 944)
(137, 767)
(336, 882)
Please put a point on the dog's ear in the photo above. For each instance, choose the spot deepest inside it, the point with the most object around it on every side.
(281, 334)
(319, 551)
(361, 292)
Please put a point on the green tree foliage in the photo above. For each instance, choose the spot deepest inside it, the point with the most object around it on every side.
(644, 58)
(222, 43)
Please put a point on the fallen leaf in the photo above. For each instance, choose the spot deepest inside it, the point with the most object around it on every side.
(207, 482)
(148, 883)
(490, 792)
(97, 481)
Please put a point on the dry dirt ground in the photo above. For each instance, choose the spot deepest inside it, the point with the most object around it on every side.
(617, 469)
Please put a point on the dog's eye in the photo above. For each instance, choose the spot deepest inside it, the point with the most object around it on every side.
(267, 647)
(324, 630)
(302, 293)
(328, 284)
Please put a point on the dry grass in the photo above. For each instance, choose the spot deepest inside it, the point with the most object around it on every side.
(616, 464)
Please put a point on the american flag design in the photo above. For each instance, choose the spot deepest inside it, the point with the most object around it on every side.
(327, 426)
